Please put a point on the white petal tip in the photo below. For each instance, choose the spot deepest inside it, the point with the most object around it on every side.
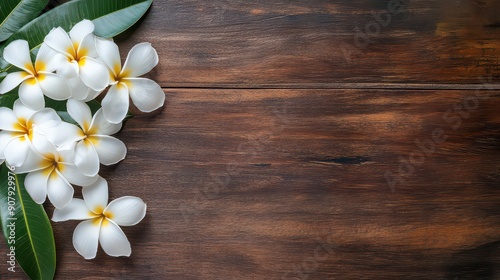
(124, 255)
(88, 258)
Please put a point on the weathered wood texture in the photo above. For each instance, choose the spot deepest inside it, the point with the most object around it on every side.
(252, 184)
(291, 43)
(305, 181)
(245, 184)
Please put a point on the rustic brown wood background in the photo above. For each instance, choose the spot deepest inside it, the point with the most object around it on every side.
(312, 139)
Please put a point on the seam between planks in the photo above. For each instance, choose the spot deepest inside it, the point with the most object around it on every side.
(342, 86)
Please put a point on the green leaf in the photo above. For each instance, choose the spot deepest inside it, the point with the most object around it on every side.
(8, 99)
(14, 14)
(110, 17)
(26, 227)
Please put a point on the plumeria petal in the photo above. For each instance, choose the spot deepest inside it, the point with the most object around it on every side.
(113, 241)
(86, 158)
(21, 111)
(91, 95)
(96, 195)
(17, 53)
(126, 211)
(140, 60)
(116, 103)
(76, 177)
(80, 112)
(48, 60)
(109, 53)
(93, 73)
(146, 94)
(42, 145)
(80, 30)
(8, 120)
(87, 46)
(34, 162)
(43, 116)
(17, 151)
(79, 90)
(59, 190)
(58, 40)
(43, 129)
(86, 238)
(5, 138)
(31, 95)
(64, 133)
(36, 185)
(13, 80)
(66, 153)
(109, 149)
(101, 126)
(55, 86)
(69, 69)
(75, 210)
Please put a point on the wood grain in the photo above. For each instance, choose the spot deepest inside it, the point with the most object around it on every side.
(276, 158)
(246, 184)
(297, 44)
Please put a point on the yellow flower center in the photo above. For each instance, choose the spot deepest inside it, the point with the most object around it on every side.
(120, 76)
(24, 127)
(76, 53)
(87, 133)
(53, 165)
(101, 216)
(39, 66)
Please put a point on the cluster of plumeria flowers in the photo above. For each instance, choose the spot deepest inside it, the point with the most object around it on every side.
(56, 155)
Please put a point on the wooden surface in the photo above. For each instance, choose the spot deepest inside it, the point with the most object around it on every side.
(279, 155)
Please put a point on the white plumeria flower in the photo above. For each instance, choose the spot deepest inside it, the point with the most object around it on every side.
(51, 172)
(81, 91)
(91, 141)
(146, 94)
(81, 57)
(102, 221)
(17, 130)
(36, 79)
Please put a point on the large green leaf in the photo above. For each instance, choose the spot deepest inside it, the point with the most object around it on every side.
(14, 14)
(26, 227)
(111, 17)
(8, 99)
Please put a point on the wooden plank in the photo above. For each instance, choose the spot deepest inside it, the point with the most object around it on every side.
(290, 184)
(280, 44)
